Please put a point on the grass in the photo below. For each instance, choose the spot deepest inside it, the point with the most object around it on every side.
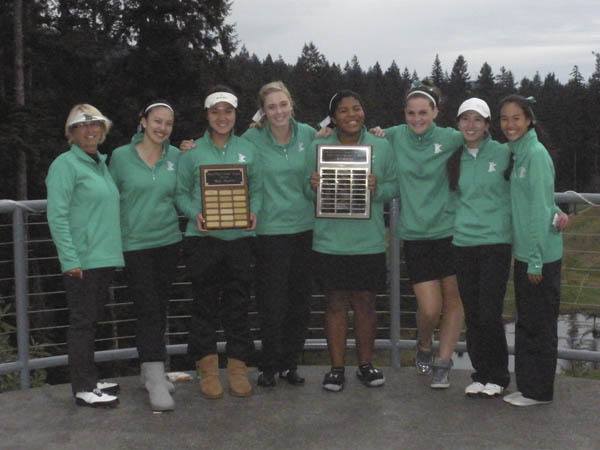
(580, 284)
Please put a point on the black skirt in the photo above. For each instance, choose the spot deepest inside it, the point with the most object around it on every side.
(429, 260)
(351, 272)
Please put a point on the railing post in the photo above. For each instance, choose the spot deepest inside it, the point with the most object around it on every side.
(21, 294)
(394, 285)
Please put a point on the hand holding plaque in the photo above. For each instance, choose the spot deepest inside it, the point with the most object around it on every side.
(225, 199)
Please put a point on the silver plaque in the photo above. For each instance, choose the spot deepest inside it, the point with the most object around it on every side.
(343, 191)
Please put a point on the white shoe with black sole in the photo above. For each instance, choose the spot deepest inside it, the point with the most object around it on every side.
(492, 390)
(474, 389)
(96, 399)
(108, 387)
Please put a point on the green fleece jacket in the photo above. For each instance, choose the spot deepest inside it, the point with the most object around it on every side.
(483, 197)
(148, 214)
(188, 192)
(83, 212)
(285, 209)
(426, 203)
(356, 236)
(535, 240)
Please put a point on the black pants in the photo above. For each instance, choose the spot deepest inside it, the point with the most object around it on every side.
(536, 330)
(221, 275)
(150, 273)
(482, 273)
(283, 297)
(86, 298)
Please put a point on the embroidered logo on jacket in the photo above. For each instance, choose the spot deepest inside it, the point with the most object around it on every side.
(242, 158)
(492, 167)
(522, 172)
(170, 166)
(437, 148)
(301, 147)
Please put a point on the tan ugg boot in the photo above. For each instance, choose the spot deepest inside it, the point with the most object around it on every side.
(208, 371)
(237, 372)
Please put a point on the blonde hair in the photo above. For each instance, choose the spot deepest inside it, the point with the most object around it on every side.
(269, 88)
(85, 108)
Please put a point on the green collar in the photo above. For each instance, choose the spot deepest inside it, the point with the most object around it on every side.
(85, 157)
(521, 145)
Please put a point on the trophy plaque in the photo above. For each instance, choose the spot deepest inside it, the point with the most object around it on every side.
(225, 199)
(343, 192)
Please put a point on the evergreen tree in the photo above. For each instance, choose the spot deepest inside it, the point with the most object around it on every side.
(456, 92)
(437, 73)
(312, 86)
(396, 86)
(505, 82)
(484, 87)
(354, 76)
(593, 113)
(374, 95)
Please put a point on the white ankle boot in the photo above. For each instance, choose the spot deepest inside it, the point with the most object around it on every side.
(156, 384)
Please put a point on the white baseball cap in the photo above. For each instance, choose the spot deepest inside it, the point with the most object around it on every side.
(477, 105)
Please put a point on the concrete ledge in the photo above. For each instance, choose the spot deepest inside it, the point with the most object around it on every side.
(404, 414)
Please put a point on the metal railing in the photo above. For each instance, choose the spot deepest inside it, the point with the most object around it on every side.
(24, 363)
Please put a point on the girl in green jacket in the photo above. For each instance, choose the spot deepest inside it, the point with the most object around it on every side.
(145, 172)
(537, 251)
(426, 225)
(83, 215)
(219, 261)
(350, 253)
(481, 242)
(284, 234)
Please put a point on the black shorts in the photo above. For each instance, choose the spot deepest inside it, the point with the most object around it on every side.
(429, 260)
(350, 272)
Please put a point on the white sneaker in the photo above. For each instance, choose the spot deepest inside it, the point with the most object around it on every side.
(520, 400)
(509, 397)
(474, 389)
(492, 390)
(96, 399)
(108, 387)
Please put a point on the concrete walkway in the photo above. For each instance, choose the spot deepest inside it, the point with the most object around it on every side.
(404, 414)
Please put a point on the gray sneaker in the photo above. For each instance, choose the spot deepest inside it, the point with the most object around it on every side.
(441, 370)
(423, 361)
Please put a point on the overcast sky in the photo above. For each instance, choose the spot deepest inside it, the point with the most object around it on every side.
(525, 36)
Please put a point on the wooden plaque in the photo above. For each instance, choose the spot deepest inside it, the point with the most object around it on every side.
(225, 197)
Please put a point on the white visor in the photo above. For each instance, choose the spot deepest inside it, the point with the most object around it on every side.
(83, 118)
(218, 97)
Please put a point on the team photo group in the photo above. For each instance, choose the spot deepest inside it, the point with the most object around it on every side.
(281, 206)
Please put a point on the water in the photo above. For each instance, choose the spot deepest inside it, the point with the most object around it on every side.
(575, 331)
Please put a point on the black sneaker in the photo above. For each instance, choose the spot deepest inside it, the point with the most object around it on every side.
(266, 379)
(292, 377)
(334, 380)
(370, 376)
(96, 399)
